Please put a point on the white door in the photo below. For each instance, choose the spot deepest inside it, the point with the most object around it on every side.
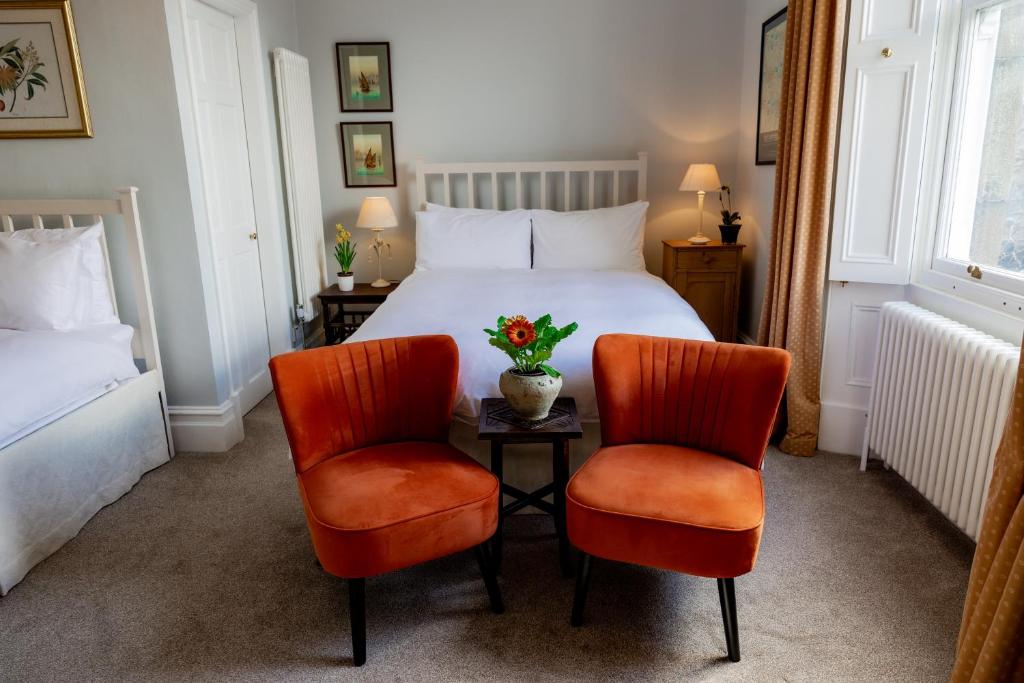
(227, 186)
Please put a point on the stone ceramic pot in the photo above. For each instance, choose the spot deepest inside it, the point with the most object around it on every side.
(529, 396)
(346, 282)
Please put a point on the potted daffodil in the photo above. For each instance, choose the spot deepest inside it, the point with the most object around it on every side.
(345, 252)
(530, 386)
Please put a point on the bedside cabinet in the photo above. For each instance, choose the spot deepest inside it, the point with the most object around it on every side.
(708, 277)
(339, 322)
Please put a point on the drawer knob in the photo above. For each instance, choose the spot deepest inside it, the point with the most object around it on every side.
(705, 258)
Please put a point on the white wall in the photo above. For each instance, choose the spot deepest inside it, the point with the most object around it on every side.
(754, 186)
(535, 80)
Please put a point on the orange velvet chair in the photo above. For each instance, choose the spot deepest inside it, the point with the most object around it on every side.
(382, 488)
(676, 483)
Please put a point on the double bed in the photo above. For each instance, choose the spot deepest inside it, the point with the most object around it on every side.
(82, 410)
(462, 300)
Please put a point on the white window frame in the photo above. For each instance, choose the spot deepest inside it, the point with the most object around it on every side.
(996, 289)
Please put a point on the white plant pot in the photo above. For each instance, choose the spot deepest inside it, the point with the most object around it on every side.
(346, 282)
(529, 396)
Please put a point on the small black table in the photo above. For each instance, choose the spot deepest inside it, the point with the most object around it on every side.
(499, 425)
(339, 323)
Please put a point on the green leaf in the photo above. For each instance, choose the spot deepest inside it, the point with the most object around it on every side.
(7, 47)
(501, 321)
(505, 345)
(567, 330)
(549, 371)
(31, 92)
(542, 323)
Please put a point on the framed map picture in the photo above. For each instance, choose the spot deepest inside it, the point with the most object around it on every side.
(368, 153)
(773, 53)
(364, 76)
(42, 93)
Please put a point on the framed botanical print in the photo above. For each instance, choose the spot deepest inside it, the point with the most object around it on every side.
(364, 76)
(368, 153)
(773, 53)
(42, 93)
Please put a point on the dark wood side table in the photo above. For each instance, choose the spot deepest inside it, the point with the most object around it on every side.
(340, 323)
(708, 277)
(499, 425)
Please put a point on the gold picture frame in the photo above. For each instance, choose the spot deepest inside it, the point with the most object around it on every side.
(41, 72)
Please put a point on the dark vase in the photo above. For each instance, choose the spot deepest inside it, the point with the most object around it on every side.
(730, 233)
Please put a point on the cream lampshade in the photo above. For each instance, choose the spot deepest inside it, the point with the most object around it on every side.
(700, 178)
(376, 214)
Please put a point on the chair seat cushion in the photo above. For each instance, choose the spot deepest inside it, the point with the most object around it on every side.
(667, 506)
(381, 508)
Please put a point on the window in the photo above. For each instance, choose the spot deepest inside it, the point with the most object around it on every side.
(981, 232)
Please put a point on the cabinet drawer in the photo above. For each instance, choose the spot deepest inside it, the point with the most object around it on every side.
(707, 259)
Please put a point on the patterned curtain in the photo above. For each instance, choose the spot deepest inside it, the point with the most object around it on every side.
(792, 315)
(991, 643)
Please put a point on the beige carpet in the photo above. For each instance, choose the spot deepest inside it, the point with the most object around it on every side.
(204, 572)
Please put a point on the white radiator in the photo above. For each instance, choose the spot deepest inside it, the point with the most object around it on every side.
(301, 180)
(938, 403)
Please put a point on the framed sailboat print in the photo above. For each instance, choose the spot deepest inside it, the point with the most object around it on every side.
(364, 76)
(42, 92)
(368, 153)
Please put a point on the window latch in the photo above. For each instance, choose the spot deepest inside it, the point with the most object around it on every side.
(974, 271)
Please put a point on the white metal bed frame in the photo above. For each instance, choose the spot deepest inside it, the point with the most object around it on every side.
(120, 431)
(543, 169)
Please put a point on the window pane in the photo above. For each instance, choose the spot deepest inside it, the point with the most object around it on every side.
(987, 218)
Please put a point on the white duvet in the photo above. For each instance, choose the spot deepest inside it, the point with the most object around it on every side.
(463, 302)
(46, 374)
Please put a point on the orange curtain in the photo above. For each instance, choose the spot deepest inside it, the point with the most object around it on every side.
(808, 122)
(991, 642)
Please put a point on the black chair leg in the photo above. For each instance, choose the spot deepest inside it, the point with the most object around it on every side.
(582, 584)
(483, 558)
(357, 613)
(727, 596)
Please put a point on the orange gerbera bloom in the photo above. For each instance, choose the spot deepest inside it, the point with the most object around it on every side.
(519, 330)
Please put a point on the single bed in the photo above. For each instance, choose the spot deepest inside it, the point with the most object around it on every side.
(462, 301)
(82, 411)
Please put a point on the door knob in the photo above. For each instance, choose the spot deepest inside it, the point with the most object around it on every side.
(252, 235)
(887, 52)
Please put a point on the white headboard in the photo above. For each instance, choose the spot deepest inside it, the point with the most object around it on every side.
(144, 342)
(586, 171)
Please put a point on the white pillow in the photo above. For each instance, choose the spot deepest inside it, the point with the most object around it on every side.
(457, 239)
(99, 307)
(599, 239)
(41, 285)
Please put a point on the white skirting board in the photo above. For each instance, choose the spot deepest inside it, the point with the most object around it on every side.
(841, 428)
(206, 429)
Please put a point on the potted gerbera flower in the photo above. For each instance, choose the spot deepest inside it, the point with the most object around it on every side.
(531, 385)
(345, 252)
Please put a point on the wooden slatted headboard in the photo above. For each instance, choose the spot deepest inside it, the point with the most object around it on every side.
(585, 171)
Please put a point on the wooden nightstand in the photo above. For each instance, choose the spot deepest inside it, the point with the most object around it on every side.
(708, 277)
(340, 323)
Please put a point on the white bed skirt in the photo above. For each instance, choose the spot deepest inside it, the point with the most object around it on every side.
(55, 479)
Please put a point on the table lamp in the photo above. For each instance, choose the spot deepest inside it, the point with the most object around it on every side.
(376, 214)
(700, 178)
